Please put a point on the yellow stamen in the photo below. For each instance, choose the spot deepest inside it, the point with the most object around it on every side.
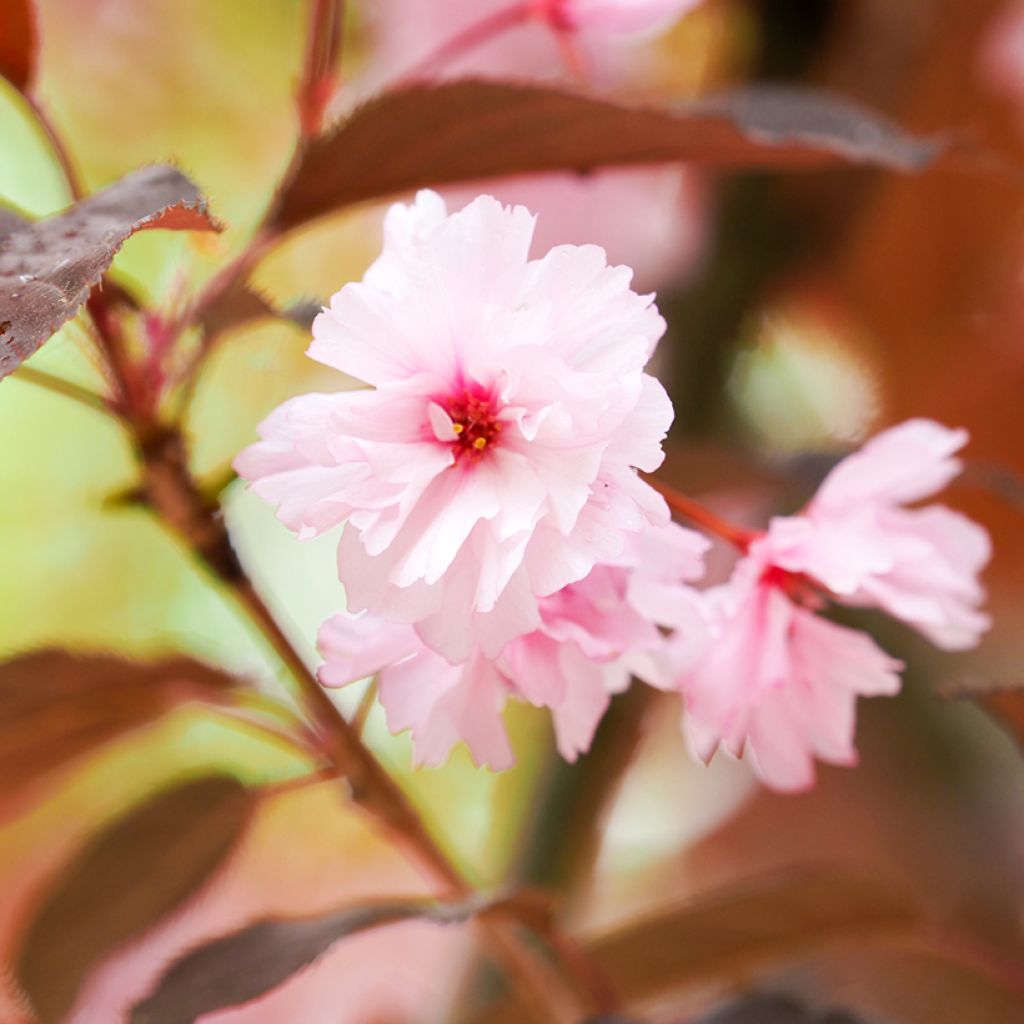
(458, 428)
(480, 442)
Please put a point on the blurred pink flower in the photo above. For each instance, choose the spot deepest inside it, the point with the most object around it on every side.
(1001, 53)
(781, 681)
(649, 218)
(593, 636)
(610, 15)
(777, 680)
(494, 459)
(858, 540)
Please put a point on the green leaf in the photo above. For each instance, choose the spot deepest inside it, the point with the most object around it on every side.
(47, 268)
(128, 878)
(245, 965)
(56, 708)
(468, 130)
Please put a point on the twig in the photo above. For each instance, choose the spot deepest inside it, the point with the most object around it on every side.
(469, 38)
(366, 702)
(71, 176)
(738, 536)
(67, 388)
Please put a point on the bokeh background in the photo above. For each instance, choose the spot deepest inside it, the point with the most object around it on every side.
(805, 312)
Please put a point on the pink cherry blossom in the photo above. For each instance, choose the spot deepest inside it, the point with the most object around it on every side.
(782, 682)
(857, 538)
(611, 15)
(593, 636)
(493, 460)
(777, 680)
(653, 219)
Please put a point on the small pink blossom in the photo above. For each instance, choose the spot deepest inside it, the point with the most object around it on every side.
(493, 460)
(593, 636)
(781, 682)
(857, 538)
(611, 15)
(777, 680)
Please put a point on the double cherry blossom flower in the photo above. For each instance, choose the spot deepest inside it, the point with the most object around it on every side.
(783, 682)
(500, 543)
(494, 460)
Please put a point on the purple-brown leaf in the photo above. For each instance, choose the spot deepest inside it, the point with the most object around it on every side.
(18, 42)
(47, 268)
(128, 878)
(246, 964)
(469, 130)
(56, 708)
(242, 304)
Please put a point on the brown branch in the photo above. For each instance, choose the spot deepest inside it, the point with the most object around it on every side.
(172, 493)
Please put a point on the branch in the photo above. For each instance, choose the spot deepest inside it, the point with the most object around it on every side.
(172, 493)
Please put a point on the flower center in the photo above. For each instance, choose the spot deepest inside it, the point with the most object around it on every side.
(475, 423)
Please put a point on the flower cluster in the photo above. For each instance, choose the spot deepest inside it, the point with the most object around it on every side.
(499, 541)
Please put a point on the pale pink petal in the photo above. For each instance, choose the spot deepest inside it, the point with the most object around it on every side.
(355, 647)
(444, 705)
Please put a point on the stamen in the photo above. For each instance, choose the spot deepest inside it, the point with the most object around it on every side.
(473, 419)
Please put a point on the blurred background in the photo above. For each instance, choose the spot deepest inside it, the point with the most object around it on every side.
(805, 312)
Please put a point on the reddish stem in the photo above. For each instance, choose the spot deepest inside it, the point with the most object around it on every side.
(470, 38)
(738, 536)
(71, 176)
(133, 400)
(319, 81)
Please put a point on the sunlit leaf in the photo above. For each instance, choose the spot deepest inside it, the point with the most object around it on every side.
(56, 707)
(468, 130)
(248, 963)
(47, 268)
(128, 878)
(18, 42)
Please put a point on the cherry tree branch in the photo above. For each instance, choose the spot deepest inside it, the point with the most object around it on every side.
(173, 494)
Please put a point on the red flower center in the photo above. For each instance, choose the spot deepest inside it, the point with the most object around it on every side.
(474, 419)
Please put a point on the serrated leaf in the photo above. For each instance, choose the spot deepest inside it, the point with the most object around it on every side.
(18, 42)
(10, 221)
(47, 268)
(56, 707)
(469, 129)
(242, 304)
(129, 877)
(248, 963)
